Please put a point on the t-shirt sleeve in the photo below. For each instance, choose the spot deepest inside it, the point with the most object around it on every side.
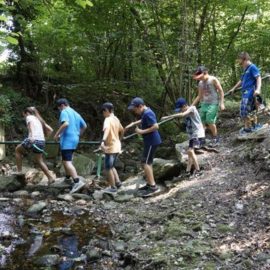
(106, 123)
(64, 117)
(151, 119)
(82, 123)
(28, 119)
(255, 72)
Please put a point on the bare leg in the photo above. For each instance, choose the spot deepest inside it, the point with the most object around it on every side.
(148, 170)
(190, 162)
(70, 169)
(116, 176)
(111, 178)
(19, 151)
(213, 129)
(194, 159)
(43, 166)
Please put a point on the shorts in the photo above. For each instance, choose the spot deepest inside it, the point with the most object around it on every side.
(247, 106)
(209, 113)
(195, 142)
(110, 160)
(67, 154)
(148, 154)
(37, 146)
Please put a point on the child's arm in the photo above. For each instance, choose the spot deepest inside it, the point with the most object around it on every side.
(221, 93)
(148, 130)
(132, 124)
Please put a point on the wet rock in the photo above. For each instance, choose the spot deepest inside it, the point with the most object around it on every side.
(36, 208)
(98, 195)
(166, 169)
(83, 164)
(81, 196)
(94, 254)
(81, 202)
(119, 245)
(48, 260)
(35, 194)
(123, 198)
(21, 193)
(12, 183)
(65, 197)
(34, 177)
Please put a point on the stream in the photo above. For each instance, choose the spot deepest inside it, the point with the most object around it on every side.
(56, 238)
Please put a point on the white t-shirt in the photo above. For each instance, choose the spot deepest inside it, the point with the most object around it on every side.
(37, 130)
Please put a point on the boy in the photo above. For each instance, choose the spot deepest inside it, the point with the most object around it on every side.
(195, 131)
(151, 139)
(111, 145)
(250, 83)
(72, 126)
(211, 97)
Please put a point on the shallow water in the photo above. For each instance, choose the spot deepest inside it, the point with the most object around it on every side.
(24, 239)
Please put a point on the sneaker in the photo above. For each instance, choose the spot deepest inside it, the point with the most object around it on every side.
(67, 181)
(110, 190)
(145, 187)
(77, 186)
(256, 127)
(118, 184)
(197, 173)
(244, 131)
(215, 142)
(148, 192)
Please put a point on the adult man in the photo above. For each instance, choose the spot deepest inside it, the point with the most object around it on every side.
(250, 84)
(71, 127)
(151, 138)
(111, 145)
(211, 97)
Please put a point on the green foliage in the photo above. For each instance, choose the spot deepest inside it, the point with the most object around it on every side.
(5, 110)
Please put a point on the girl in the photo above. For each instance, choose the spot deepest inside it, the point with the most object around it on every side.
(35, 141)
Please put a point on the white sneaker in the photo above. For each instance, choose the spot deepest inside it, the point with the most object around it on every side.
(77, 186)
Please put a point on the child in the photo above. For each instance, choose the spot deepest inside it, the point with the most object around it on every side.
(35, 141)
(211, 98)
(72, 126)
(151, 139)
(195, 131)
(111, 145)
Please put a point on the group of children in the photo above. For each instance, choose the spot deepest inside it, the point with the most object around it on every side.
(72, 125)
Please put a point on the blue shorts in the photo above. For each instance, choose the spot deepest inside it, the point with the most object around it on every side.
(195, 142)
(67, 154)
(37, 146)
(148, 154)
(110, 160)
(247, 106)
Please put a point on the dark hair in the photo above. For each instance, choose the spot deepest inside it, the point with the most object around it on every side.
(244, 56)
(107, 106)
(62, 101)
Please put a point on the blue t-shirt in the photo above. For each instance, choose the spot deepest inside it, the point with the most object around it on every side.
(248, 80)
(69, 138)
(148, 120)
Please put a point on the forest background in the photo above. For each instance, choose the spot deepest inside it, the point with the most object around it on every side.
(97, 51)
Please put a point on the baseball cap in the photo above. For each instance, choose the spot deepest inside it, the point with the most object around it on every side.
(61, 101)
(180, 102)
(135, 102)
(200, 70)
(107, 106)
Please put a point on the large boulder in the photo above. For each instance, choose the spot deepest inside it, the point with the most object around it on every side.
(166, 169)
(12, 183)
(83, 164)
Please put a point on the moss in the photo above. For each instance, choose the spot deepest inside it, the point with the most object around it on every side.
(223, 228)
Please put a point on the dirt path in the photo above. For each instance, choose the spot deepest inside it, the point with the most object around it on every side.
(218, 221)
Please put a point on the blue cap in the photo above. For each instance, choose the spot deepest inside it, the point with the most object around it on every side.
(61, 101)
(135, 102)
(107, 106)
(180, 102)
